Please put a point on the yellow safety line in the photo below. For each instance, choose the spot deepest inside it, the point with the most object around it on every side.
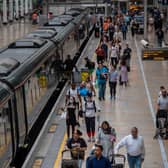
(59, 156)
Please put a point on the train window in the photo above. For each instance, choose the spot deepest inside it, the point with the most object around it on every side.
(5, 129)
(36, 89)
(7, 65)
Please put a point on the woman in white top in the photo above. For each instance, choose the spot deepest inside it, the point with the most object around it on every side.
(117, 35)
(90, 113)
(114, 54)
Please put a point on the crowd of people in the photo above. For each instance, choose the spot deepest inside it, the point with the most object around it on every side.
(113, 65)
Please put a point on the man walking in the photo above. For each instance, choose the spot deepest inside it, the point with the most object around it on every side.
(98, 161)
(135, 148)
(101, 76)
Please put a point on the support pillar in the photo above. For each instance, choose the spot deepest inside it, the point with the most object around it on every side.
(16, 9)
(30, 5)
(21, 8)
(4, 10)
(106, 9)
(11, 10)
(26, 7)
(96, 6)
(145, 19)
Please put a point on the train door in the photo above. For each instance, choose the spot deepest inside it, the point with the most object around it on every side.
(21, 116)
(7, 135)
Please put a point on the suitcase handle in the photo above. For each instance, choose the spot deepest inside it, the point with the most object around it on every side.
(69, 150)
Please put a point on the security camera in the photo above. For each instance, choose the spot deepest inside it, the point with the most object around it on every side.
(145, 43)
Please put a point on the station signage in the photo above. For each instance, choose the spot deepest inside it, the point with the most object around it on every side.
(155, 54)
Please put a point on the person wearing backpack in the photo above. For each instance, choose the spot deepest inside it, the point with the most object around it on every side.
(90, 110)
(70, 116)
(74, 92)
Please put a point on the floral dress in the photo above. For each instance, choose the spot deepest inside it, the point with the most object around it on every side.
(107, 139)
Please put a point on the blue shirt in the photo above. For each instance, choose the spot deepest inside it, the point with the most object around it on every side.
(83, 91)
(113, 76)
(99, 73)
(95, 163)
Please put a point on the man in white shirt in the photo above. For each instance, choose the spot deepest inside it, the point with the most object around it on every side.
(135, 148)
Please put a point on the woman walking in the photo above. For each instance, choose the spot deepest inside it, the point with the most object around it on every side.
(90, 110)
(106, 137)
(71, 117)
(113, 76)
(124, 73)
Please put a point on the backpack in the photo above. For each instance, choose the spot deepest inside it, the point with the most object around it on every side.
(94, 105)
(69, 94)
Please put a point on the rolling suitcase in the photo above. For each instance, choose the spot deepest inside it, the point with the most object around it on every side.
(68, 162)
(117, 160)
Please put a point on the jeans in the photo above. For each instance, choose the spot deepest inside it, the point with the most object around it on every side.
(159, 42)
(102, 88)
(134, 161)
(114, 60)
(124, 35)
(112, 88)
(80, 163)
(90, 126)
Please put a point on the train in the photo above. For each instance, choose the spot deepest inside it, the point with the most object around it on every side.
(29, 85)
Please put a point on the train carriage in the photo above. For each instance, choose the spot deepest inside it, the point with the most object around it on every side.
(8, 136)
(26, 69)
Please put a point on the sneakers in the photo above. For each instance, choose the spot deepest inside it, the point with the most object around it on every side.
(89, 140)
(93, 139)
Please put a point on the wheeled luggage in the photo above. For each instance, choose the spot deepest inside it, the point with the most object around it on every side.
(161, 124)
(117, 160)
(68, 162)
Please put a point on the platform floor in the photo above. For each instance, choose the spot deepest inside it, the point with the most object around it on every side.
(135, 105)
(132, 106)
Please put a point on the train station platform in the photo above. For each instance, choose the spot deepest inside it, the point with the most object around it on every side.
(135, 105)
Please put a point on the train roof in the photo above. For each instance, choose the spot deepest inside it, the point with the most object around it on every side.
(27, 43)
(55, 28)
(21, 58)
(67, 17)
(78, 9)
(24, 56)
(63, 35)
(5, 94)
(43, 33)
(73, 13)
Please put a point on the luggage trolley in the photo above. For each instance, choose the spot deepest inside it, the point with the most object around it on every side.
(79, 75)
(71, 161)
(161, 124)
(117, 160)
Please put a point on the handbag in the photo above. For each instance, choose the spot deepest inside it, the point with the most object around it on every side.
(69, 163)
(64, 114)
(81, 113)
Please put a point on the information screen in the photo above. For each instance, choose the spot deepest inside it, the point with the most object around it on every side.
(156, 54)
